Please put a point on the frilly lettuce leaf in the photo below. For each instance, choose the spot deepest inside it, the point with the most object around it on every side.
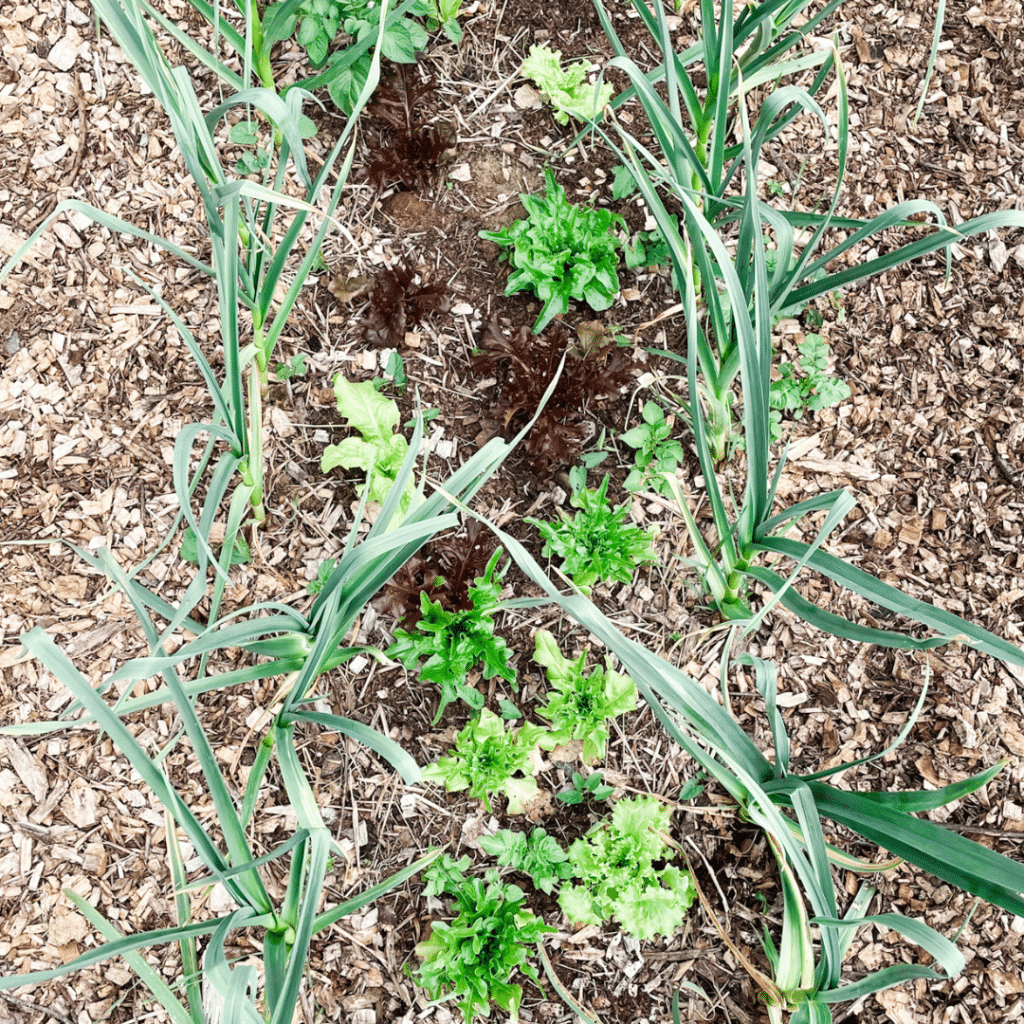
(485, 760)
(379, 448)
(614, 866)
(453, 642)
(473, 959)
(580, 706)
(366, 409)
(567, 90)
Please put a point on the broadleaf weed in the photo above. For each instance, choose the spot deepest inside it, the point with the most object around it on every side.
(657, 452)
(592, 786)
(814, 390)
(538, 855)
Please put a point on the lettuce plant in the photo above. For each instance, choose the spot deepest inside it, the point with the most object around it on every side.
(379, 450)
(473, 958)
(454, 641)
(580, 706)
(487, 759)
(567, 90)
(596, 544)
(562, 252)
(540, 856)
(614, 866)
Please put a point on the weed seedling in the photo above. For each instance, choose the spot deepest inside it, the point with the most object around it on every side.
(295, 367)
(323, 574)
(656, 451)
(592, 786)
(444, 15)
(814, 390)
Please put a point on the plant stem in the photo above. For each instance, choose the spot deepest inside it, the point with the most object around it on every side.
(254, 475)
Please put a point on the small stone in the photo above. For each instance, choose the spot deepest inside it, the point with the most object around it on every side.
(527, 98)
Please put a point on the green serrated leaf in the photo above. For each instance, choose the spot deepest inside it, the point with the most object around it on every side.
(614, 867)
(567, 90)
(596, 543)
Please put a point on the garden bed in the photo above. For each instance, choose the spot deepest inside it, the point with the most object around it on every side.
(95, 385)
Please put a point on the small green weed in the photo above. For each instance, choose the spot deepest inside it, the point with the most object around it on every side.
(246, 133)
(444, 15)
(394, 375)
(815, 389)
(650, 250)
(323, 574)
(656, 451)
(592, 786)
(240, 551)
(295, 367)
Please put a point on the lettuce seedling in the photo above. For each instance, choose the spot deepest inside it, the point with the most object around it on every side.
(487, 759)
(567, 90)
(562, 252)
(540, 856)
(473, 958)
(596, 544)
(380, 451)
(580, 706)
(614, 865)
(454, 641)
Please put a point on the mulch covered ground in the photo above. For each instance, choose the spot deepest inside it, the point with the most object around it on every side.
(95, 384)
